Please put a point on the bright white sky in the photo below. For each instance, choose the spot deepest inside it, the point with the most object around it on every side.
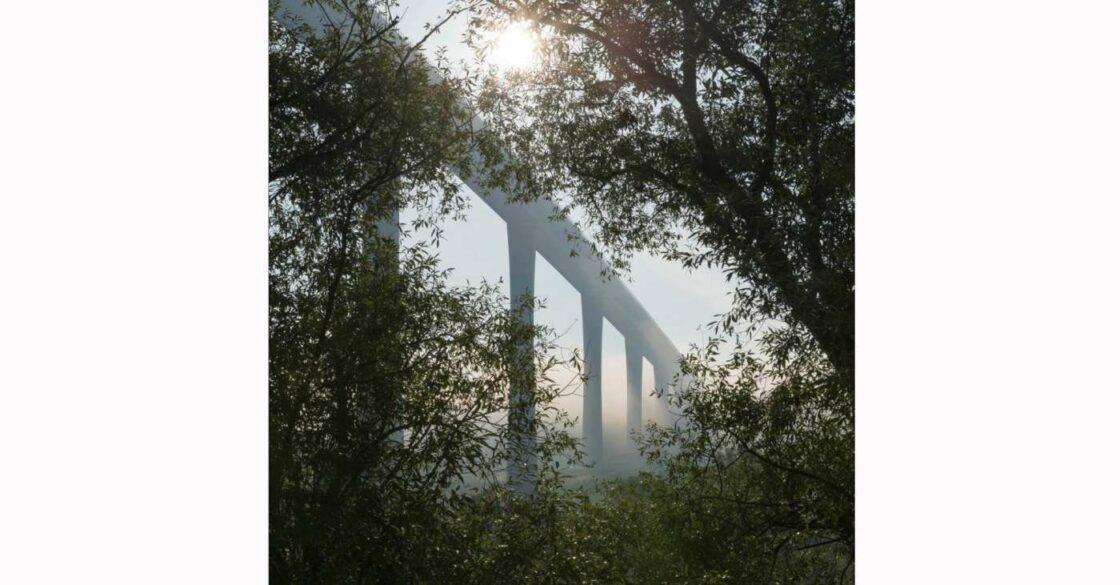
(681, 302)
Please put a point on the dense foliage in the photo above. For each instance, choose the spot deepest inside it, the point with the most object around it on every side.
(718, 133)
(712, 133)
(388, 388)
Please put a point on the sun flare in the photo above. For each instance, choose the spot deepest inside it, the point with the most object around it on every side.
(514, 47)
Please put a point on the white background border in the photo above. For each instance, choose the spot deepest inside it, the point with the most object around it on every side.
(133, 318)
(987, 320)
(133, 325)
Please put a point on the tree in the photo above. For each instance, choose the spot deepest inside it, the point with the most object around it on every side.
(720, 133)
(387, 387)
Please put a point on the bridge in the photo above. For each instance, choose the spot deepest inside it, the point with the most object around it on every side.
(533, 228)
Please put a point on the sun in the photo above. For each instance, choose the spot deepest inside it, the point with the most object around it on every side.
(514, 47)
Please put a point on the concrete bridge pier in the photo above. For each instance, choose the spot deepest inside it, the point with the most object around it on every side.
(633, 388)
(662, 377)
(390, 229)
(523, 440)
(593, 387)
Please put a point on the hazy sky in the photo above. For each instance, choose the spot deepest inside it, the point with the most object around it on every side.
(681, 302)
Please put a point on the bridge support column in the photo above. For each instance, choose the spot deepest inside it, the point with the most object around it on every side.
(522, 447)
(390, 229)
(662, 376)
(633, 388)
(593, 387)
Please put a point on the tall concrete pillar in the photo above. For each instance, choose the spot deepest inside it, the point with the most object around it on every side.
(633, 387)
(662, 376)
(390, 229)
(593, 387)
(522, 269)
